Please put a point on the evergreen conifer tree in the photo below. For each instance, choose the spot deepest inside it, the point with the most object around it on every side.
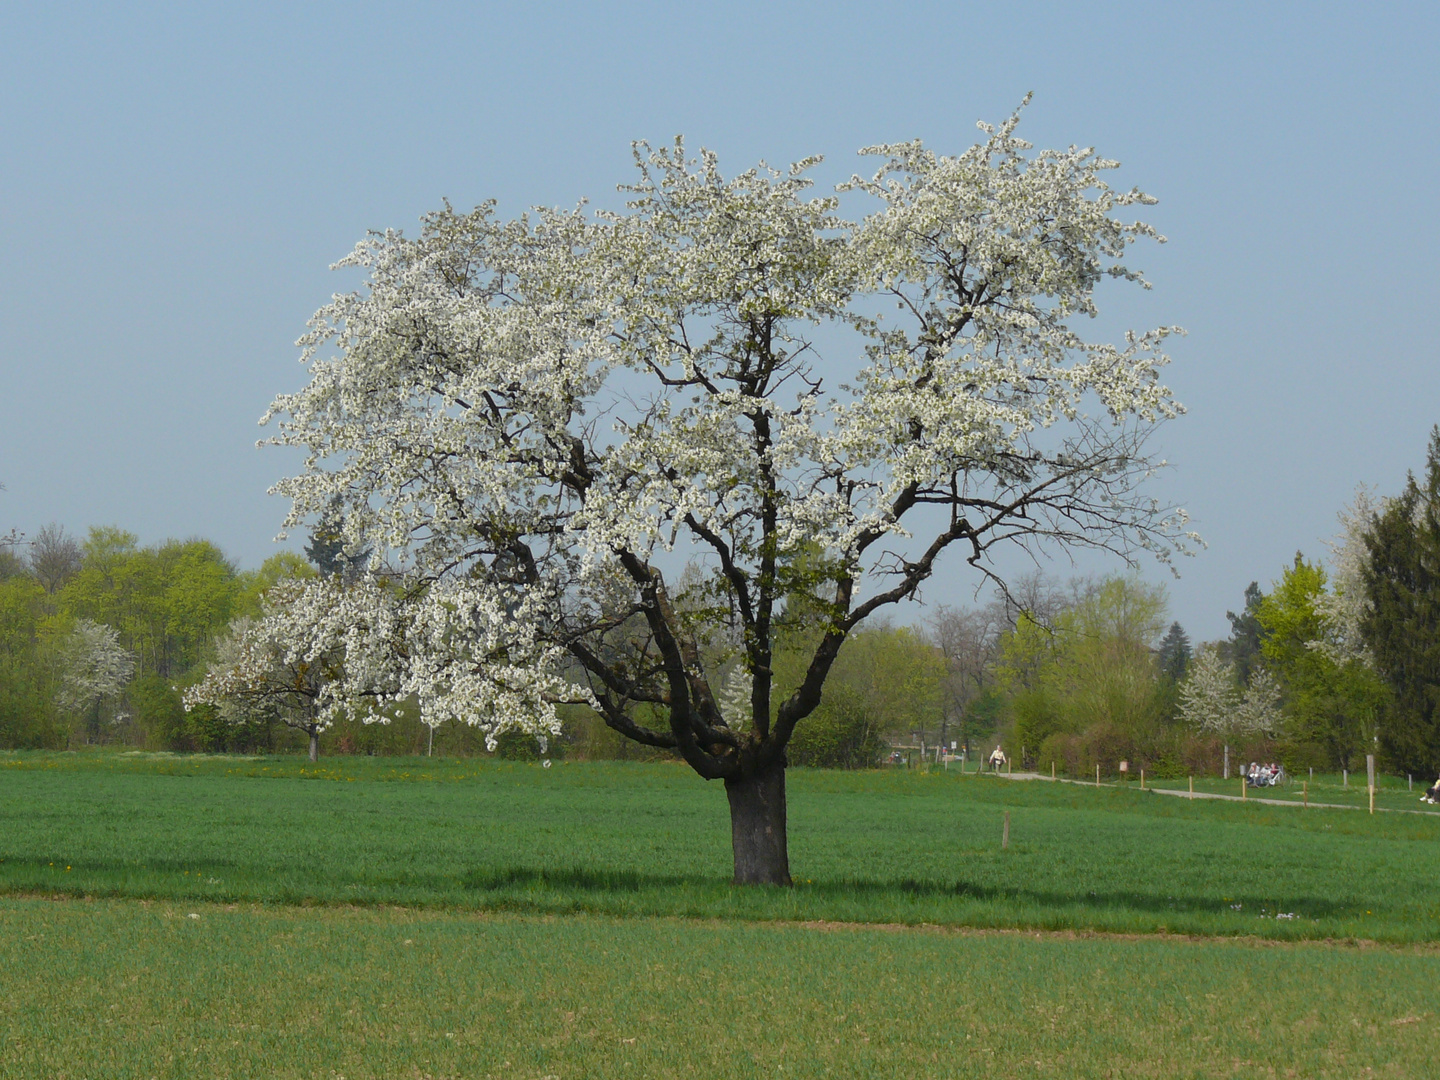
(1175, 653)
(1402, 628)
(1242, 651)
(326, 549)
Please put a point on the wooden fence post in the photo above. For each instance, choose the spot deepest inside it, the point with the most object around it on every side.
(1005, 836)
(1142, 779)
(1243, 785)
(1192, 787)
(1370, 779)
(1097, 774)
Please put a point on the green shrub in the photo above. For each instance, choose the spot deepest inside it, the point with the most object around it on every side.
(1036, 717)
(842, 733)
(156, 710)
(522, 746)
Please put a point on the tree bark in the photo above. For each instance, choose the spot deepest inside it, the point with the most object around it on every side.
(314, 745)
(757, 826)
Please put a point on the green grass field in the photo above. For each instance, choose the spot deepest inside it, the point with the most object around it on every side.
(125, 990)
(384, 917)
(617, 839)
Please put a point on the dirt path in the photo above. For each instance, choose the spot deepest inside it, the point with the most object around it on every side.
(1217, 795)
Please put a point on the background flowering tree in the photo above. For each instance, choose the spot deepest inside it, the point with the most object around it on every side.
(94, 667)
(526, 422)
(1212, 701)
(287, 665)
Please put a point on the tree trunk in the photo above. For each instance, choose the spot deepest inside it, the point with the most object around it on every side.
(757, 827)
(314, 745)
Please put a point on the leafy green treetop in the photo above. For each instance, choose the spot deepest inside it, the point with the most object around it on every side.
(1331, 693)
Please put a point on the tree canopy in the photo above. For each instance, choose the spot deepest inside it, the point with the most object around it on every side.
(526, 421)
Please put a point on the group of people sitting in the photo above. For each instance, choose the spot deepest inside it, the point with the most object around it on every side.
(1267, 775)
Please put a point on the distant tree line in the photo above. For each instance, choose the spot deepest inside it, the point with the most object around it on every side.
(1353, 650)
(1338, 659)
(101, 638)
(97, 636)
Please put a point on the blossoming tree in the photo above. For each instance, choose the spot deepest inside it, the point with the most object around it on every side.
(288, 664)
(531, 422)
(1211, 700)
(94, 666)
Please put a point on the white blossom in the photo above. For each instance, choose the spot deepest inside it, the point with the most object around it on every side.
(1211, 700)
(1345, 605)
(1259, 711)
(734, 696)
(95, 666)
(1209, 696)
(520, 417)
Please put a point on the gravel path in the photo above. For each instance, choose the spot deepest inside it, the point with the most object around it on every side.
(1216, 795)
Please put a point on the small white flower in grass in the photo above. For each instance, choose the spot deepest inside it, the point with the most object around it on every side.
(192, 915)
(545, 763)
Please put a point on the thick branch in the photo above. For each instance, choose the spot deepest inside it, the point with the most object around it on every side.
(685, 720)
(617, 719)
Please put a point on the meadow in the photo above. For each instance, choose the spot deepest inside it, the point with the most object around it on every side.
(629, 839)
(218, 916)
(128, 990)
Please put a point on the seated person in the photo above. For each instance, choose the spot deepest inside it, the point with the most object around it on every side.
(1433, 794)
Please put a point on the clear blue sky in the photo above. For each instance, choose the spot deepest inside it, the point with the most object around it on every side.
(175, 180)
